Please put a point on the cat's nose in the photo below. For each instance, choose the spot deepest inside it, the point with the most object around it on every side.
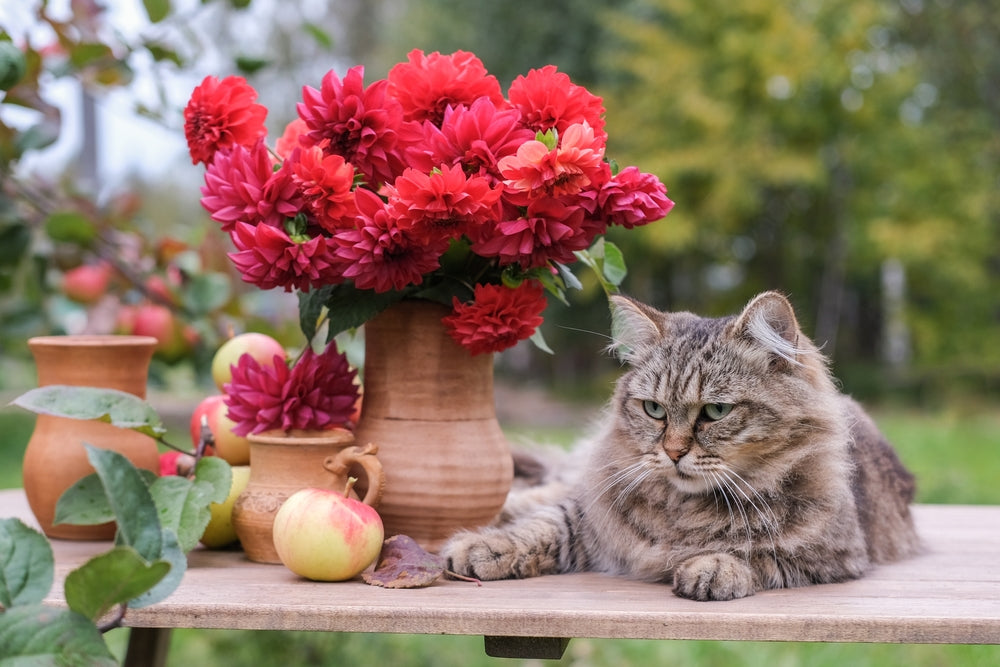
(675, 453)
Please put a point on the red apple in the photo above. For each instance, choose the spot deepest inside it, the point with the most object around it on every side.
(174, 338)
(87, 283)
(326, 535)
(259, 346)
(235, 449)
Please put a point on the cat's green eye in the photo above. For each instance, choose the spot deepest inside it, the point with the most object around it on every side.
(716, 411)
(654, 409)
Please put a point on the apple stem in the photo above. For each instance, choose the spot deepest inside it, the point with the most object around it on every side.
(351, 481)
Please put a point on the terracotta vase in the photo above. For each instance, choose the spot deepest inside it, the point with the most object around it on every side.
(282, 463)
(55, 457)
(429, 405)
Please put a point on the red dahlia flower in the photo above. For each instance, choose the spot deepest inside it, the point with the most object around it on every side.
(548, 99)
(475, 137)
(427, 85)
(268, 257)
(362, 125)
(633, 198)
(443, 204)
(497, 318)
(317, 392)
(380, 256)
(548, 230)
(220, 114)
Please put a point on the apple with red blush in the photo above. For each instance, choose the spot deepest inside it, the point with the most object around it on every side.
(326, 535)
(235, 449)
(260, 346)
(87, 283)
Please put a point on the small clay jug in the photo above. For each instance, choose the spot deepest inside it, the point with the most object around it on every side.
(282, 463)
(55, 457)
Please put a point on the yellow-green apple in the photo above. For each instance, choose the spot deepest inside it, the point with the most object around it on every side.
(235, 449)
(259, 346)
(220, 532)
(326, 535)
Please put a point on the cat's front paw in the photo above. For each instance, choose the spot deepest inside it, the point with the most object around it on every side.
(713, 576)
(487, 556)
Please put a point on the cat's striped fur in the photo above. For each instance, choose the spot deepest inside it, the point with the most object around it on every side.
(726, 462)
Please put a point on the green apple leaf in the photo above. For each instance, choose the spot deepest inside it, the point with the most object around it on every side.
(171, 553)
(39, 635)
(129, 497)
(26, 565)
(70, 226)
(112, 406)
(110, 579)
(216, 476)
(86, 504)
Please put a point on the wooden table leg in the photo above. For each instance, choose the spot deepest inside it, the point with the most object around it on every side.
(537, 648)
(147, 647)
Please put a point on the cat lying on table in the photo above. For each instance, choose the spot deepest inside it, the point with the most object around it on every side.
(726, 462)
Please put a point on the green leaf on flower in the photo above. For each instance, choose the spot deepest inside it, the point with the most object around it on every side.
(118, 408)
(172, 553)
(569, 278)
(614, 268)
(135, 511)
(110, 579)
(349, 307)
(70, 227)
(554, 285)
(539, 341)
(40, 635)
(26, 565)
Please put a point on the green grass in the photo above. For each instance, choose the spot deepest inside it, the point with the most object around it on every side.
(953, 454)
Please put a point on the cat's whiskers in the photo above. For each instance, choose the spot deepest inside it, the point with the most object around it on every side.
(768, 519)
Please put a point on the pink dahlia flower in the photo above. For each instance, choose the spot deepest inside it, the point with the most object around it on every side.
(362, 125)
(633, 198)
(497, 318)
(268, 257)
(317, 392)
(242, 186)
(380, 256)
(220, 114)
(426, 85)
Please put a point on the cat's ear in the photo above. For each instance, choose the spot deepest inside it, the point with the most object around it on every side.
(770, 321)
(634, 326)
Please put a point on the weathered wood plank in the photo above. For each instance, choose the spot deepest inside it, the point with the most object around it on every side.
(948, 594)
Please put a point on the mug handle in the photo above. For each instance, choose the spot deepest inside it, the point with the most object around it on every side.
(365, 456)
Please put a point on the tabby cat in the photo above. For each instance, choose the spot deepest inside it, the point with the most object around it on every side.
(726, 463)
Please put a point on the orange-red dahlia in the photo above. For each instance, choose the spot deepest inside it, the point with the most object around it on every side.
(497, 318)
(220, 114)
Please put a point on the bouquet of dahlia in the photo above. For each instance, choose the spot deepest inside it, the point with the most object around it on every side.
(428, 184)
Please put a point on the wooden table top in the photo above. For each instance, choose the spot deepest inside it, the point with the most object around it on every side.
(949, 594)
